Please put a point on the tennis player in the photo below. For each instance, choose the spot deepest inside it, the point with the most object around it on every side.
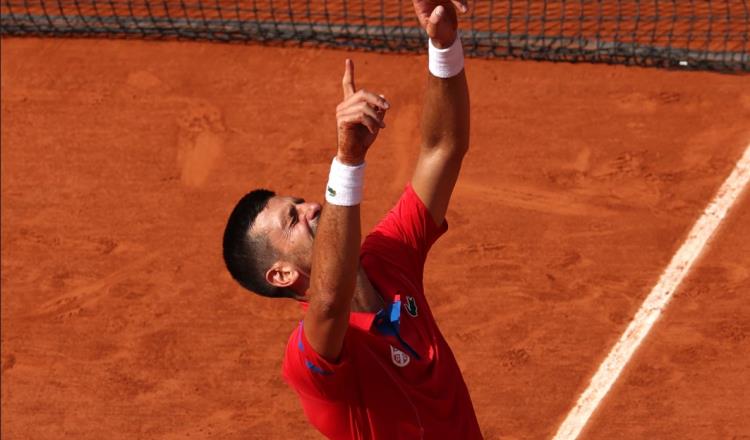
(368, 360)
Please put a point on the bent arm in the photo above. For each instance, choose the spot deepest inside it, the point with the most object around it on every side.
(333, 278)
(445, 141)
(335, 262)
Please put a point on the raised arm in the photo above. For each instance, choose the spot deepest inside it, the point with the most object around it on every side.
(445, 116)
(335, 261)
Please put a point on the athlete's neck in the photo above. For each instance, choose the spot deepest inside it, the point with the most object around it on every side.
(366, 298)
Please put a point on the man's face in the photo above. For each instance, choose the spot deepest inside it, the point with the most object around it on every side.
(290, 224)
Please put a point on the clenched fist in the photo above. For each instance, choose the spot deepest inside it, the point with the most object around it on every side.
(359, 118)
(439, 20)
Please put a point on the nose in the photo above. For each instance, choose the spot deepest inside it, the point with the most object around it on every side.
(312, 210)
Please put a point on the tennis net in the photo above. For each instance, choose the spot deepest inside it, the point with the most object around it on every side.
(694, 34)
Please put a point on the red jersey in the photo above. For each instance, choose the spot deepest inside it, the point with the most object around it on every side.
(396, 377)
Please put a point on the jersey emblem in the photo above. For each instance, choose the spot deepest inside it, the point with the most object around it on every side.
(411, 306)
(399, 358)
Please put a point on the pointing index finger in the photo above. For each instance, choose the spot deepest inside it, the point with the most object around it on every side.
(348, 81)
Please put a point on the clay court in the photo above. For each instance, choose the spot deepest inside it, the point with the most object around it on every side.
(121, 160)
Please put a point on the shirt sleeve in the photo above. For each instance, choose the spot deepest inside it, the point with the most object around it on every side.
(310, 374)
(325, 389)
(408, 229)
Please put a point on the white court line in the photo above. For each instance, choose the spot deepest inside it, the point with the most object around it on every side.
(656, 301)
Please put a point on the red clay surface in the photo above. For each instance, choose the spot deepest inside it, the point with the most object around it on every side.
(122, 159)
(690, 378)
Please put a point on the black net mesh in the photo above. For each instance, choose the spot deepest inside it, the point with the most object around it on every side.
(705, 34)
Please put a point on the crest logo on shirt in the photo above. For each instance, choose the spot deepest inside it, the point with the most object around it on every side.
(399, 358)
(411, 306)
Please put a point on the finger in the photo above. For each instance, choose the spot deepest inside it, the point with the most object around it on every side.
(359, 111)
(461, 5)
(434, 19)
(348, 81)
(381, 118)
(372, 124)
(381, 113)
(378, 101)
(371, 112)
(360, 119)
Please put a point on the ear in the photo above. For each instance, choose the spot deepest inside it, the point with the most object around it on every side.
(282, 274)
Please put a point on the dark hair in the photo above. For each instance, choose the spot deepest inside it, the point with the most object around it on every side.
(247, 256)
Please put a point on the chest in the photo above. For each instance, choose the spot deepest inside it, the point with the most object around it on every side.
(404, 336)
(404, 339)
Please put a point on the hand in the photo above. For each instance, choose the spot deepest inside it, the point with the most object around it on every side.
(359, 118)
(438, 18)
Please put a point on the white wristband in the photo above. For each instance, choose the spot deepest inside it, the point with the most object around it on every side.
(345, 183)
(448, 62)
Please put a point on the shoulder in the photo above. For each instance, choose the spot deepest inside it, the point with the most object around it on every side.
(406, 233)
(309, 374)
